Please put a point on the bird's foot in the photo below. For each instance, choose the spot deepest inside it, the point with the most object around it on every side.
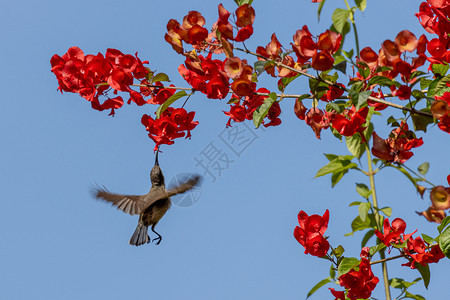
(158, 239)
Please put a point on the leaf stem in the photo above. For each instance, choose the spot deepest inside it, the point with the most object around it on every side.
(378, 221)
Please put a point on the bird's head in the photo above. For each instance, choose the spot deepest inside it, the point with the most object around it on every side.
(156, 175)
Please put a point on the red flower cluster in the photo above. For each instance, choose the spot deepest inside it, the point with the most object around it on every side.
(191, 31)
(171, 125)
(419, 252)
(310, 233)
(91, 75)
(416, 249)
(243, 110)
(433, 16)
(333, 93)
(390, 55)
(359, 284)
(396, 148)
(392, 234)
(320, 52)
(206, 75)
(245, 16)
(350, 121)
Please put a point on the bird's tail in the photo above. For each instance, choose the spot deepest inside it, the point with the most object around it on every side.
(140, 235)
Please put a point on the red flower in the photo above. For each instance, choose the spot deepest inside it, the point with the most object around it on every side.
(403, 92)
(237, 113)
(338, 294)
(90, 76)
(310, 233)
(350, 122)
(359, 284)
(391, 234)
(171, 125)
(318, 120)
(273, 114)
(418, 252)
(396, 147)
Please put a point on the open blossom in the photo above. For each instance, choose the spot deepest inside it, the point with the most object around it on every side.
(361, 283)
(173, 123)
(391, 233)
(351, 121)
(418, 251)
(396, 148)
(310, 233)
(91, 75)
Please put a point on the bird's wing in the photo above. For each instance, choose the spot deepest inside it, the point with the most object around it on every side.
(128, 203)
(182, 187)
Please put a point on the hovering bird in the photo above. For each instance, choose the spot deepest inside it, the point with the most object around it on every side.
(151, 207)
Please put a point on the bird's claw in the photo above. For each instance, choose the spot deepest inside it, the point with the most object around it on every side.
(159, 240)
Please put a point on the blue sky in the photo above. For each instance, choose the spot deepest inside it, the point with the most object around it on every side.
(234, 243)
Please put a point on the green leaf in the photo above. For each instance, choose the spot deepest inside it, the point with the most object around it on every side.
(242, 2)
(358, 224)
(442, 91)
(169, 102)
(418, 94)
(444, 241)
(361, 4)
(332, 272)
(263, 110)
(285, 81)
(362, 99)
(399, 283)
(319, 9)
(375, 249)
(364, 72)
(424, 272)
(439, 69)
(354, 203)
(387, 211)
(339, 18)
(334, 106)
(444, 224)
(424, 83)
(335, 166)
(381, 80)
(337, 176)
(355, 145)
(428, 239)
(160, 77)
(347, 264)
(348, 54)
(421, 122)
(339, 251)
(318, 286)
(341, 66)
(363, 190)
(260, 65)
(363, 210)
(408, 295)
(369, 234)
(423, 168)
(432, 87)
(331, 157)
